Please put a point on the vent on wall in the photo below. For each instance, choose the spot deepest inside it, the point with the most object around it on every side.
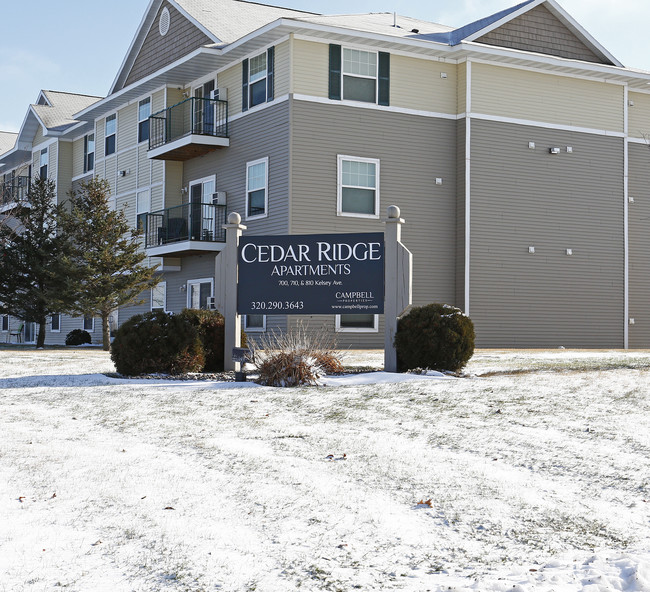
(164, 21)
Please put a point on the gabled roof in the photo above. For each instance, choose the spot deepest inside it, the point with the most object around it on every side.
(7, 141)
(58, 116)
(482, 27)
(222, 21)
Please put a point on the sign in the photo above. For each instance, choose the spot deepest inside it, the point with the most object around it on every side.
(311, 274)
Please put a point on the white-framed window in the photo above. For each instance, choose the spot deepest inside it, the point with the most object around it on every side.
(55, 323)
(110, 130)
(257, 80)
(202, 215)
(201, 190)
(4, 323)
(89, 152)
(144, 111)
(359, 75)
(142, 208)
(257, 180)
(358, 187)
(89, 324)
(357, 323)
(198, 292)
(43, 163)
(254, 323)
(159, 297)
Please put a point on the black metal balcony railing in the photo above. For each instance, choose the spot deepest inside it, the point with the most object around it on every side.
(204, 117)
(14, 191)
(187, 222)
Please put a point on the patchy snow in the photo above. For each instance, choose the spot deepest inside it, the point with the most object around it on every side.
(530, 474)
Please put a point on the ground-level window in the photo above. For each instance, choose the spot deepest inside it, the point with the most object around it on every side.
(159, 296)
(357, 323)
(358, 187)
(89, 324)
(198, 292)
(257, 188)
(4, 323)
(55, 323)
(255, 323)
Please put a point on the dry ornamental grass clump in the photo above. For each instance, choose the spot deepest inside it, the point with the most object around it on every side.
(295, 358)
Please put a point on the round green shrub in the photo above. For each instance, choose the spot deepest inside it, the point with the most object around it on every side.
(210, 325)
(77, 337)
(157, 342)
(435, 336)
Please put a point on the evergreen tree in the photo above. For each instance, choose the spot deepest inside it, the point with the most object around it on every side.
(32, 252)
(106, 268)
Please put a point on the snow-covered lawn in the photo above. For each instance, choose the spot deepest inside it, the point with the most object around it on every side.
(532, 474)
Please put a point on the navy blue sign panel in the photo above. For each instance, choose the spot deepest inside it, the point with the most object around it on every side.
(311, 274)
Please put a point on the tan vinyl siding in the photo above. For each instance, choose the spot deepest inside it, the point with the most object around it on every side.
(126, 203)
(156, 198)
(310, 68)
(174, 95)
(639, 245)
(417, 84)
(173, 184)
(157, 101)
(110, 173)
(552, 203)
(410, 161)
(231, 79)
(461, 85)
(100, 131)
(261, 134)
(639, 116)
(144, 166)
(127, 127)
(127, 161)
(64, 171)
(78, 157)
(39, 138)
(527, 95)
(282, 69)
(53, 161)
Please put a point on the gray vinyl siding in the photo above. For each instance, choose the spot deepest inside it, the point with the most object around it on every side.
(639, 246)
(64, 171)
(157, 52)
(539, 31)
(460, 213)
(258, 135)
(522, 197)
(413, 151)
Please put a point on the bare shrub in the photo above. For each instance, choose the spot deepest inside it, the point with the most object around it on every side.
(298, 357)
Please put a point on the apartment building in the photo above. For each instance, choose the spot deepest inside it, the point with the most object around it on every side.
(515, 147)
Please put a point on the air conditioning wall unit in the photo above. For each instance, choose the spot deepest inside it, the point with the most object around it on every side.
(211, 304)
(220, 94)
(219, 198)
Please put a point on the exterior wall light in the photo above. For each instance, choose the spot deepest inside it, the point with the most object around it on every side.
(554, 150)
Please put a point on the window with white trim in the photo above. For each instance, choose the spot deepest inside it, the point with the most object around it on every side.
(253, 323)
(5, 323)
(110, 130)
(258, 79)
(357, 323)
(358, 187)
(142, 208)
(257, 188)
(159, 297)
(89, 324)
(359, 75)
(55, 323)
(198, 292)
(144, 111)
(89, 152)
(43, 164)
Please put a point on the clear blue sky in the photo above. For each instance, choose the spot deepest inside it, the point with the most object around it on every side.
(78, 45)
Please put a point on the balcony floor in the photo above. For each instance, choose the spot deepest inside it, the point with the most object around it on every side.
(187, 147)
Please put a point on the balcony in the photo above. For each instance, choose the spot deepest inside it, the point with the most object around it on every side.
(188, 129)
(188, 229)
(14, 191)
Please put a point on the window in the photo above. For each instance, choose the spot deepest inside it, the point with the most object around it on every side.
(358, 187)
(159, 296)
(89, 324)
(144, 110)
(111, 128)
(43, 164)
(357, 323)
(357, 75)
(142, 208)
(257, 188)
(89, 152)
(5, 323)
(258, 79)
(55, 321)
(255, 323)
(198, 292)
